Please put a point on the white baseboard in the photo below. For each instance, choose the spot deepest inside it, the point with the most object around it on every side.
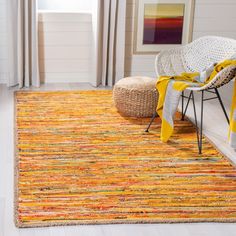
(65, 77)
(3, 78)
(64, 80)
(56, 78)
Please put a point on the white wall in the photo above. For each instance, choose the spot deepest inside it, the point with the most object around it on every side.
(66, 5)
(65, 47)
(3, 42)
(212, 17)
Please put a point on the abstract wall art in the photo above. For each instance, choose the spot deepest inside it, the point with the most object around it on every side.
(162, 24)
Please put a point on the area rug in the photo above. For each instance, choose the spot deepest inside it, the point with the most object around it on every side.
(78, 161)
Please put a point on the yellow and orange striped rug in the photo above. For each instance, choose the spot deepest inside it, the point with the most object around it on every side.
(79, 162)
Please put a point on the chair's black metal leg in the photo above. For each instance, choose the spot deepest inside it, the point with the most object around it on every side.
(201, 124)
(182, 106)
(222, 105)
(185, 110)
(195, 117)
(153, 118)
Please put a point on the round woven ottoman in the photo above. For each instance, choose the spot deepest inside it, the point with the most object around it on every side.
(135, 96)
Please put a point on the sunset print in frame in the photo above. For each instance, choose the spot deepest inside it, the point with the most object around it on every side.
(162, 24)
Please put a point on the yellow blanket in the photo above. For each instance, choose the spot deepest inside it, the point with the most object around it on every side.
(170, 89)
(232, 129)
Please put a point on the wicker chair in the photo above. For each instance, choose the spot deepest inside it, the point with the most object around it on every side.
(193, 57)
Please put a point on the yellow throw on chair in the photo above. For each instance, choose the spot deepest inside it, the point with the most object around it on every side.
(232, 130)
(170, 89)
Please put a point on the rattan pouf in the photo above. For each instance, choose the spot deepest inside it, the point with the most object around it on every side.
(135, 96)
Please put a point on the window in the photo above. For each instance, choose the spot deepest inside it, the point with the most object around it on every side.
(65, 5)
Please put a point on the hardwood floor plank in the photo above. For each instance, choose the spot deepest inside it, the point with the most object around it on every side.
(83, 230)
(2, 210)
(57, 231)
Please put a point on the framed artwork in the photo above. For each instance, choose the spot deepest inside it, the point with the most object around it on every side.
(162, 24)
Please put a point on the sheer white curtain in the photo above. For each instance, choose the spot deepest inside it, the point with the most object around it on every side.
(23, 43)
(111, 41)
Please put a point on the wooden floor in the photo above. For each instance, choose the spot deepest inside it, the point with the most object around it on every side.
(215, 127)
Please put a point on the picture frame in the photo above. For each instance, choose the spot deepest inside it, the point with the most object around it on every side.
(162, 24)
